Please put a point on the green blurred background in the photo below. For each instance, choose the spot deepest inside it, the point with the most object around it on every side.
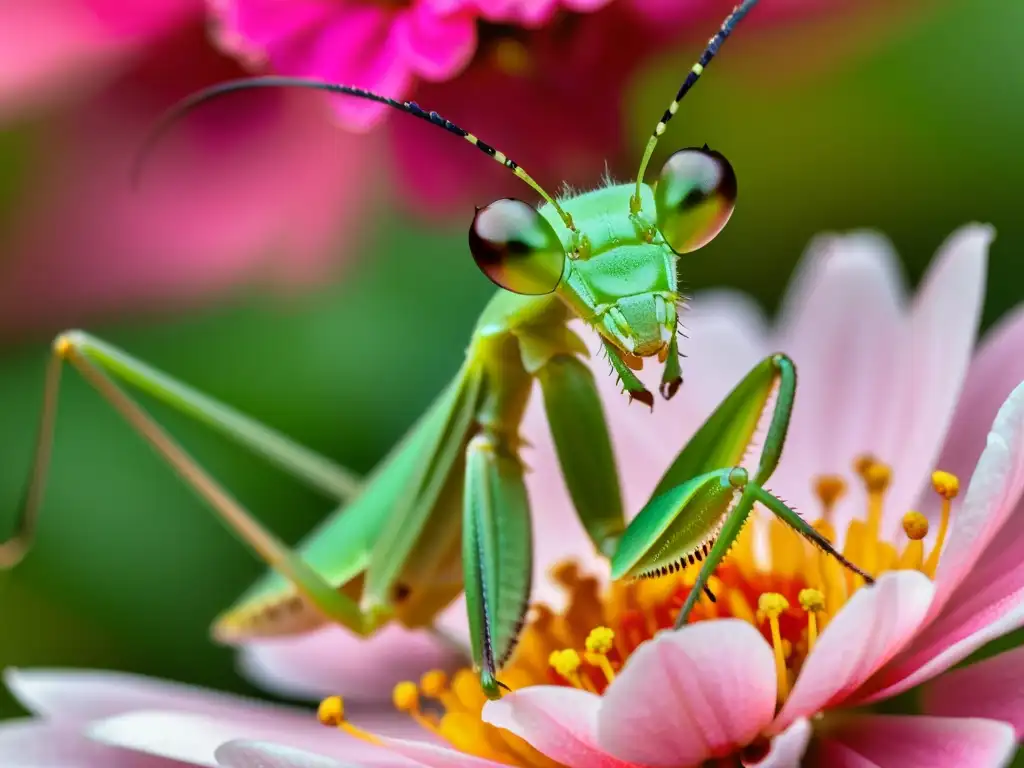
(914, 130)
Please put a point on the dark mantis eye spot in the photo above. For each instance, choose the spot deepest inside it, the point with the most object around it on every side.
(516, 247)
(695, 197)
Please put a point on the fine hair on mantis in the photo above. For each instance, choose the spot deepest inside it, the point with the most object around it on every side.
(447, 510)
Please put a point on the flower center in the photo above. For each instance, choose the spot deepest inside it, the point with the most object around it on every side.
(790, 600)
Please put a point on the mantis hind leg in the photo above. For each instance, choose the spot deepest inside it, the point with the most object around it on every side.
(90, 357)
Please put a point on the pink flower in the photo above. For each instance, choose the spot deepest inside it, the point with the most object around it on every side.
(386, 48)
(258, 190)
(527, 93)
(887, 383)
(54, 48)
(86, 719)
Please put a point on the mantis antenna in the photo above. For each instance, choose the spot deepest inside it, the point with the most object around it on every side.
(692, 77)
(198, 98)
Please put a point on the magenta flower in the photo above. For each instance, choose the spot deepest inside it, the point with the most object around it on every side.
(382, 47)
(260, 190)
(53, 48)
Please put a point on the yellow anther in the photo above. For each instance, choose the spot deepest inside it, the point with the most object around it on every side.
(434, 684)
(565, 662)
(915, 525)
(600, 640)
(877, 476)
(331, 711)
(772, 604)
(812, 600)
(863, 463)
(406, 697)
(829, 488)
(946, 484)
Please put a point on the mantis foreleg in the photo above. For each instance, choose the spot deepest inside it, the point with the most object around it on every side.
(689, 508)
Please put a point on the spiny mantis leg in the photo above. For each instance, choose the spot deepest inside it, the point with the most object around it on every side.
(672, 374)
(730, 530)
(793, 520)
(497, 554)
(634, 387)
(577, 422)
(268, 547)
(306, 465)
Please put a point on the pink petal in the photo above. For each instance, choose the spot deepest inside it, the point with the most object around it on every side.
(890, 741)
(972, 607)
(943, 326)
(251, 754)
(842, 323)
(78, 695)
(437, 47)
(54, 49)
(993, 689)
(220, 172)
(997, 368)
(560, 722)
(689, 695)
(35, 744)
(195, 738)
(868, 631)
(787, 748)
(334, 661)
(358, 45)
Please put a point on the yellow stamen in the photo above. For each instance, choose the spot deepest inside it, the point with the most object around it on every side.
(771, 605)
(833, 578)
(947, 485)
(599, 642)
(877, 477)
(406, 698)
(915, 526)
(331, 712)
(829, 488)
(812, 601)
(566, 663)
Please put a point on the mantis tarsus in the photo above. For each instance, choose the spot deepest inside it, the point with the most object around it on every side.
(447, 509)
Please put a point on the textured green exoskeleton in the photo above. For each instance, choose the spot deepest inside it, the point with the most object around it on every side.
(447, 509)
(705, 497)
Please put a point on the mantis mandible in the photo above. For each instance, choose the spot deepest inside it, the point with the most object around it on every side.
(447, 509)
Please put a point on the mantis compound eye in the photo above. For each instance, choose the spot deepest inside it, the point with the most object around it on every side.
(516, 247)
(695, 197)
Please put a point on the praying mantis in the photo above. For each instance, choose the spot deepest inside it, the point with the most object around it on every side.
(447, 511)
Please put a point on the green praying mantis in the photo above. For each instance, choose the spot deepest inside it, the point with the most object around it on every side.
(447, 509)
